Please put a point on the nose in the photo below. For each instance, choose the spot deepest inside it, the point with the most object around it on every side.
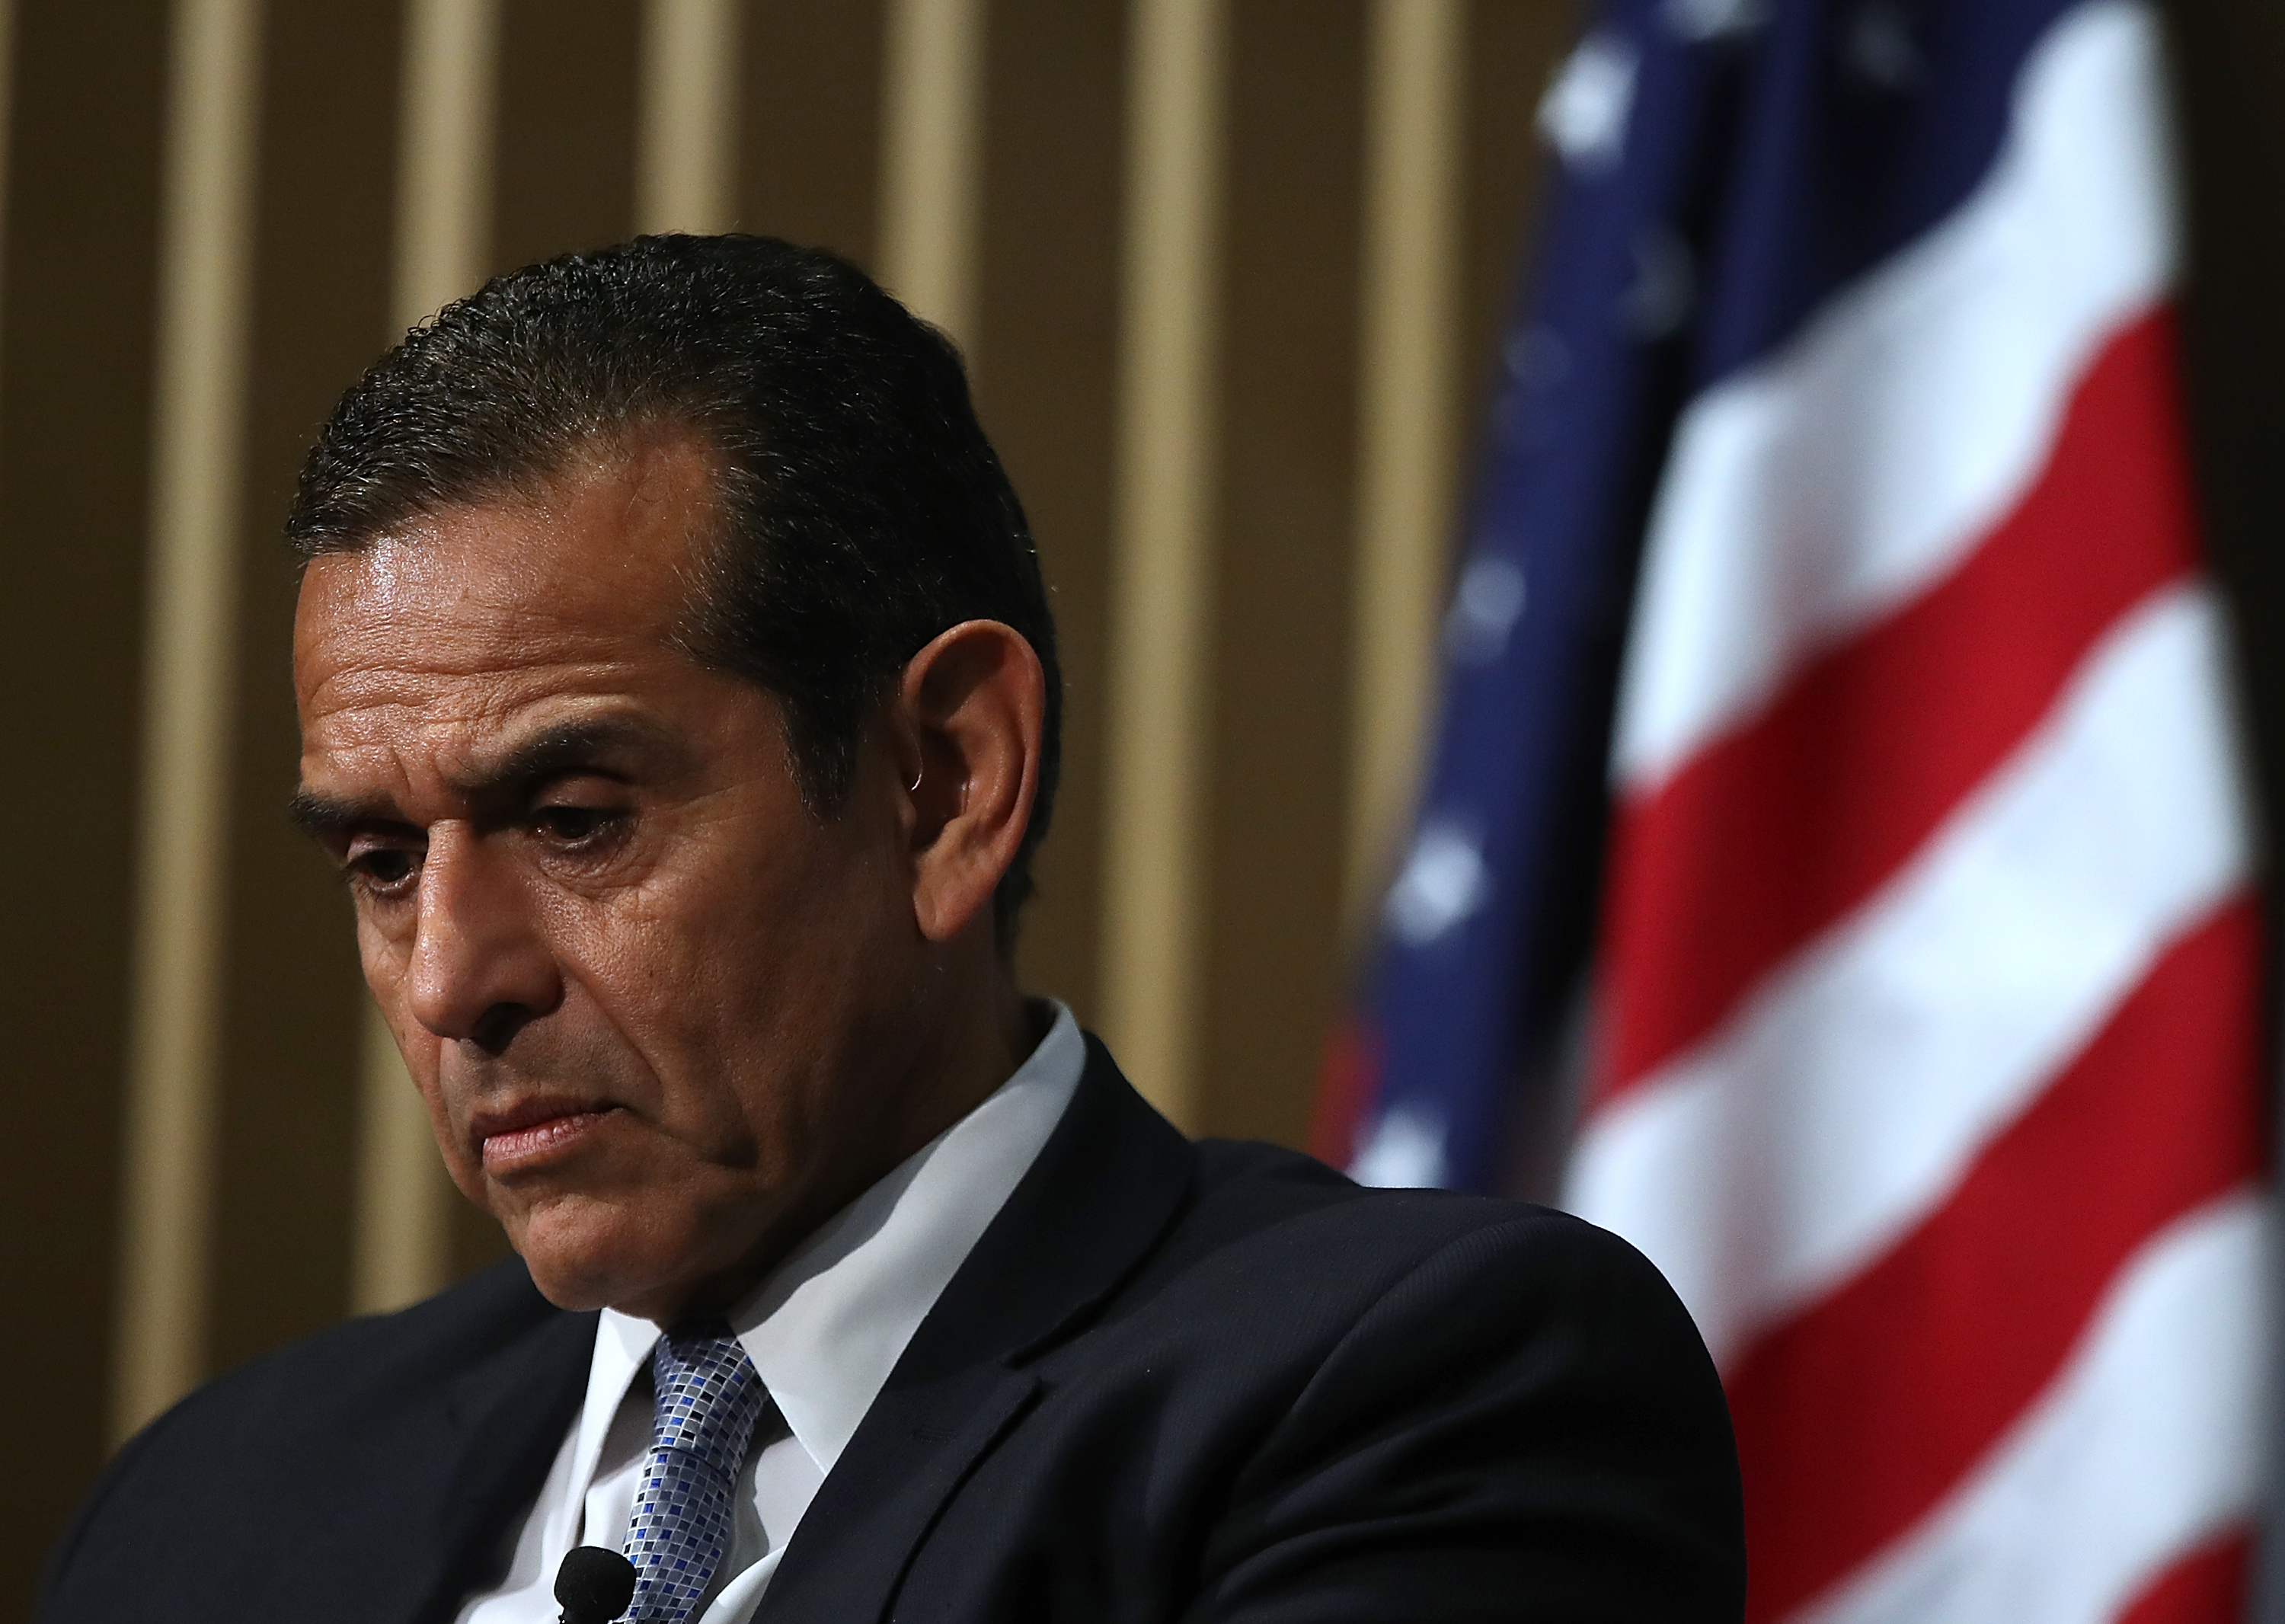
(481, 965)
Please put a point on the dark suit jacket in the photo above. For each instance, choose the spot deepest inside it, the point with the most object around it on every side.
(1172, 1381)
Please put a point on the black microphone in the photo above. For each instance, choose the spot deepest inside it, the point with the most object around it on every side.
(595, 1585)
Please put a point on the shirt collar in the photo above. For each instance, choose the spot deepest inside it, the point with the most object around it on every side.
(828, 1326)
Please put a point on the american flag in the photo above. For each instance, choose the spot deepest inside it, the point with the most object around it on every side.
(1837, 790)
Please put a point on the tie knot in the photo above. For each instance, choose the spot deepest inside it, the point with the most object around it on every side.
(708, 1394)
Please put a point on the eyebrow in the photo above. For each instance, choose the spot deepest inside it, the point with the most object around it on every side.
(566, 747)
(325, 818)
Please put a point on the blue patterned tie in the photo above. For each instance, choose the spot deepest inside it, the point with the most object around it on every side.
(709, 1397)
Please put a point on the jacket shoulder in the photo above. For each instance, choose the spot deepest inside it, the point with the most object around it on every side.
(1445, 1406)
(295, 1435)
(1251, 1195)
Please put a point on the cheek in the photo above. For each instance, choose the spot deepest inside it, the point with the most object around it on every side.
(759, 907)
(743, 976)
(722, 984)
(693, 986)
(421, 1059)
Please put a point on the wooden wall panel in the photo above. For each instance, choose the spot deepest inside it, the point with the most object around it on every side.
(1278, 777)
(809, 156)
(1044, 355)
(565, 178)
(293, 996)
(75, 356)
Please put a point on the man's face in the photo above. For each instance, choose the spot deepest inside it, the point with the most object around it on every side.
(657, 1008)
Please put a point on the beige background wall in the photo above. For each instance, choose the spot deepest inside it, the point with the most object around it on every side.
(1294, 220)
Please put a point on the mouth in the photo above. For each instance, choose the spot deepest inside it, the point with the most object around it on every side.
(532, 1132)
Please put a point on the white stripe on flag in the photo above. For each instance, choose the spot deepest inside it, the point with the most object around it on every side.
(2140, 1450)
(1840, 477)
(1845, 1099)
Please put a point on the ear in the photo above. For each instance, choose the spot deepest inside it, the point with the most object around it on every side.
(971, 709)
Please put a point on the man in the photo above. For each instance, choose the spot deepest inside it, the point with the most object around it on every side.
(679, 704)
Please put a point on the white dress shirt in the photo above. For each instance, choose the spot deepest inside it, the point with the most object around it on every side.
(823, 1330)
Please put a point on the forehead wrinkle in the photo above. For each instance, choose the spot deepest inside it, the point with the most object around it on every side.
(504, 752)
(476, 672)
(421, 698)
(424, 605)
(496, 635)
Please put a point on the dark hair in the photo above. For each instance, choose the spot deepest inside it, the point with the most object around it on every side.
(863, 510)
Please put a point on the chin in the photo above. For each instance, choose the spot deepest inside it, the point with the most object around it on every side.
(572, 1284)
(585, 1258)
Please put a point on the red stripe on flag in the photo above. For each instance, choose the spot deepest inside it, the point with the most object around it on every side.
(2208, 1586)
(1348, 1078)
(1778, 830)
(1853, 1419)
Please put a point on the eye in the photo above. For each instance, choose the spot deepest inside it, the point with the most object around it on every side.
(573, 825)
(383, 871)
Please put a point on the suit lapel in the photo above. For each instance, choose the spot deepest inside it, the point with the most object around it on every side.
(502, 1422)
(422, 1491)
(1104, 1188)
(917, 1443)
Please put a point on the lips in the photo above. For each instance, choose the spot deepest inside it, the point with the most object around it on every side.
(532, 1131)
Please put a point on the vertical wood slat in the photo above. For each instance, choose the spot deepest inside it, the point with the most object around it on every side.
(7, 101)
(1161, 571)
(88, 109)
(444, 153)
(685, 174)
(1405, 419)
(293, 1001)
(811, 126)
(931, 133)
(405, 1203)
(1047, 323)
(198, 397)
(1287, 366)
(567, 99)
